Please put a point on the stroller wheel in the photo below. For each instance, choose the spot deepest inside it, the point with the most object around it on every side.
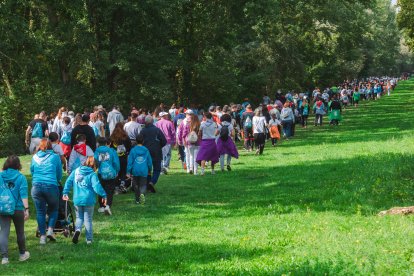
(37, 234)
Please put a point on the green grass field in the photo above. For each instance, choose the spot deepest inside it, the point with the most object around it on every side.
(307, 207)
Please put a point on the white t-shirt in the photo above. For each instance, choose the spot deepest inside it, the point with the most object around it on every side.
(274, 122)
(132, 128)
(98, 124)
(209, 129)
(57, 149)
(259, 124)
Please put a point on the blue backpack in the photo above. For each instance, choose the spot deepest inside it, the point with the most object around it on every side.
(66, 137)
(37, 131)
(106, 170)
(7, 201)
(95, 131)
(305, 111)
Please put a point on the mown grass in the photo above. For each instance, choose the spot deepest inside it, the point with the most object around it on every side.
(307, 207)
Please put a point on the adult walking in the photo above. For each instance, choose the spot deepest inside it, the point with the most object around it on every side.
(114, 117)
(168, 129)
(259, 128)
(132, 128)
(46, 170)
(288, 119)
(154, 141)
(84, 128)
(36, 131)
(12, 179)
(208, 149)
(58, 123)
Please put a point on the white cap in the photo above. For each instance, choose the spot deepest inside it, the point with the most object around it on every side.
(189, 111)
(162, 114)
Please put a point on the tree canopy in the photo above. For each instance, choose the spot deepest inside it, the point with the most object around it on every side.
(83, 53)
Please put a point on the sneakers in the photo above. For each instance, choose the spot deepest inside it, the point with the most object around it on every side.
(213, 172)
(202, 172)
(142, 199)
(101, 209)
(42, 239)
(24, 257)
(75, 238)
(229, 168)
(51, 235)
(151, 187)
(88, 242)
(107, 210)
(5, 261)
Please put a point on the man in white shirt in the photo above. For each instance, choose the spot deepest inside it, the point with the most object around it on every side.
(114, 117)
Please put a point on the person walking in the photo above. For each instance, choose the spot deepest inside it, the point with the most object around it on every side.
(84, 128)
(36, 131)
(167, 128)
(259, 131)
(114, 117)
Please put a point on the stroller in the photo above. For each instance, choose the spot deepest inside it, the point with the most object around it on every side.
(65, 222)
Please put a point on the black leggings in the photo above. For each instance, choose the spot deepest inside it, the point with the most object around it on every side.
(109, 187)
(260, 140)
(5, 222)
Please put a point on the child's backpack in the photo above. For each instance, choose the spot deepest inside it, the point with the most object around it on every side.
(192, 137)
(106, 170)
(66, 137)
(248, 123)
(95, 130)
(120, 149)
(224, 133)
(7, 200)
(305, 111)
(37, 131)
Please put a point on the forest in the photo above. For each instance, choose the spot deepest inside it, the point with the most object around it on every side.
(87, 52)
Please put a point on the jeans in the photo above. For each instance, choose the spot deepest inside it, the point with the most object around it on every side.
(5, 222)
(139, 184)
(45, 194)
(287, 128)
(109, 187)
(84, 215)
(166, 156)
(156, 172)
(318, 119)
(181, 152)
(191, 157)
(305, 120)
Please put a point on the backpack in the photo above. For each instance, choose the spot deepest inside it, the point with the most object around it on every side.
(106, 170)
(224, 133)
(192, 138)
(66, 137)
(248, 123)
(37, 131)
(120, 149)
(7, 201)
(95, 131)
(305, 110)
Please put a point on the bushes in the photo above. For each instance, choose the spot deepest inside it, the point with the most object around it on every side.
(12, 143)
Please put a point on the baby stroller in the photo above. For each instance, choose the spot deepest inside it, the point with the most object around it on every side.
(65, 222)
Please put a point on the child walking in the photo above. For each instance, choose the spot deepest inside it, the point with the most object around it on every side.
(274, 126)
(107, 162)
(208, 149)
(225, 144)
(79, 154)
(139, 166)
(85, 183)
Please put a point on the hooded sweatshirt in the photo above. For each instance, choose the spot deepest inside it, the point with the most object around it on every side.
(85, 183)
(114, 117)
(18, 186)
(139, 161)
(78, 156)
(104, 153)
(46, 168)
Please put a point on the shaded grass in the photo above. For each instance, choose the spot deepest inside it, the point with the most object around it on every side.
(306, 207)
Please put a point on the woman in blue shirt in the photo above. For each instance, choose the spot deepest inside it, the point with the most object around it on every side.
(46, 170)
(12, 179)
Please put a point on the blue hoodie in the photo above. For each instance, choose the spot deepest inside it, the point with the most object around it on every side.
(139, 161)
(113, 156)
(18, 187)
(85, 184)
(46, 168)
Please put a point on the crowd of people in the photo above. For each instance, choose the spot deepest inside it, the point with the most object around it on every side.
(105, 153)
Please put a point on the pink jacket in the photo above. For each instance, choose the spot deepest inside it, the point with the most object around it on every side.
(167, 127)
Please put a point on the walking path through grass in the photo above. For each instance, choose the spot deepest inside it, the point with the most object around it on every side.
(308, 206)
